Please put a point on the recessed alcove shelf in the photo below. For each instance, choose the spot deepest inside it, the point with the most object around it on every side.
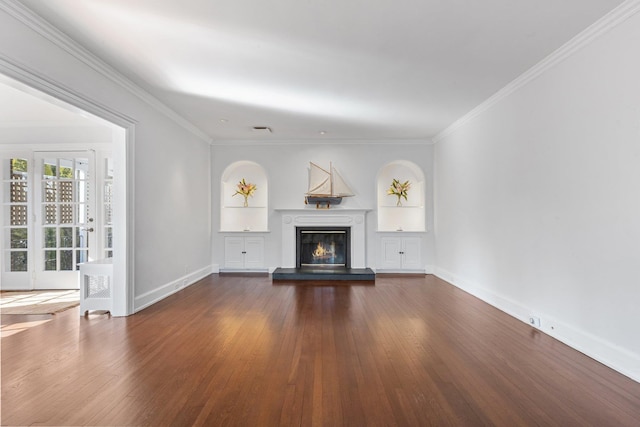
(234, 216)
(411, 215)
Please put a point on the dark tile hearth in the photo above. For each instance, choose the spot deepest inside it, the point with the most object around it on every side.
(310, 273)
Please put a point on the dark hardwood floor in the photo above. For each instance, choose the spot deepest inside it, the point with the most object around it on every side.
(243, 351)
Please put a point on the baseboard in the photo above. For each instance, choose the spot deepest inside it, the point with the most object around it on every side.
(613, 356)
(399, 271)
(149, 298)
(245, 273)
(215, 268)
(11, 287)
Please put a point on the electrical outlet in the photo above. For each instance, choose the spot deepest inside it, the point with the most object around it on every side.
(534, 321)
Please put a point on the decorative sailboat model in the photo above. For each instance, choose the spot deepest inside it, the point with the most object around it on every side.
(325, 187)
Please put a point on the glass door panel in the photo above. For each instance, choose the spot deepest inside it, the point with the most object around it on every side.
(15, 222)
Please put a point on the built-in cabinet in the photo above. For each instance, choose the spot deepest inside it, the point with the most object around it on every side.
(401, 222)
(234, 214)
(243, 252)
(400, 253)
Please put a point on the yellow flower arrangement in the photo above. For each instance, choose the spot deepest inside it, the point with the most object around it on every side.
(399, 190)
(245, 189)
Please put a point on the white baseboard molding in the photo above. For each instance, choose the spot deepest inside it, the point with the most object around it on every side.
(611, 355)
(13, 287)
(398, 271)
(149, 298)
(215, 268)
(244, 270)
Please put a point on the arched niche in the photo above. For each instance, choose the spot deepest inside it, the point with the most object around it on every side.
(410, 216)
(234, 216)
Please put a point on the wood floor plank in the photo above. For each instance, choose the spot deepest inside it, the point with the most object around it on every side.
(235, 350)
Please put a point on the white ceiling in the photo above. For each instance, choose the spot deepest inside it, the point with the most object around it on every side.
(374, 69)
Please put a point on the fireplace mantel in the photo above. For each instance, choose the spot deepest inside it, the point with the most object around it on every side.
(354, 218)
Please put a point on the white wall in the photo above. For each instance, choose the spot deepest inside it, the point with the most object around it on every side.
(172, 170)
(286, 165)
(538, 200)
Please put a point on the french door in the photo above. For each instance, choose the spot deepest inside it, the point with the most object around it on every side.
(64, 226)
(49, 218)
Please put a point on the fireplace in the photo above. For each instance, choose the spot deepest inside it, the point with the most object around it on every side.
(335, 218)
(348, 250)
(323, 247)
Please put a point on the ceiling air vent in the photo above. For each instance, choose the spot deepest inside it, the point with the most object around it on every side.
(264, 130)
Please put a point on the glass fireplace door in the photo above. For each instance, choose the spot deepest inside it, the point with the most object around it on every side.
(323, 247)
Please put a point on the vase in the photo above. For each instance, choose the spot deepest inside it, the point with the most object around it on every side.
(246, 201)
(399, 202)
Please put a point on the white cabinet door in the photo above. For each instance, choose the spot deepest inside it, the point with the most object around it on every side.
(233, 248)
(243, 252)
(391, 248)
(254, 252)
(411, 258)
(401, 253)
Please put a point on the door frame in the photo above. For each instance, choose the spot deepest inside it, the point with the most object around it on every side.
(123, 150)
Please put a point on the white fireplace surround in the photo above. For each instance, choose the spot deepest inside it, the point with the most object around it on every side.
(353, 218)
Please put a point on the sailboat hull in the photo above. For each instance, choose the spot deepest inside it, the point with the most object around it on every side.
(318, 200)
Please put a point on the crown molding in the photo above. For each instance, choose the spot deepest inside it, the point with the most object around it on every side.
(594, 31)
(323, 141)
(58, 92)
(32, 20)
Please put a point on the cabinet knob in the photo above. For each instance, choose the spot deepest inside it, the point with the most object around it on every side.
(244, 252)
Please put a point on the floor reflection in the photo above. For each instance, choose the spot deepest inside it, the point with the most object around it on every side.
(323, 300)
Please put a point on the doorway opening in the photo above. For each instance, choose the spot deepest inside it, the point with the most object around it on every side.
(66, 189)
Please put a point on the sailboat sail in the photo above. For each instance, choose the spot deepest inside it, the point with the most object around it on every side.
(340, 188)
(326, 184)
(319, 181)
